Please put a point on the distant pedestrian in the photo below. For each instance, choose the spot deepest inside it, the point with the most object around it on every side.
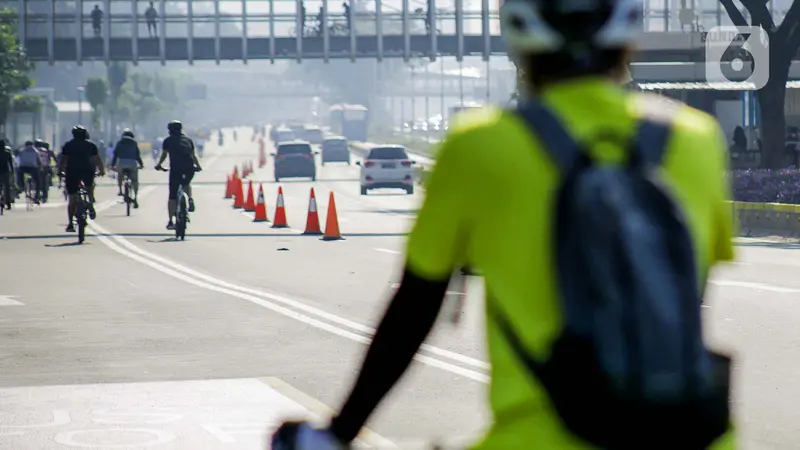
(346, 14)
(150, 17)
(97, 19)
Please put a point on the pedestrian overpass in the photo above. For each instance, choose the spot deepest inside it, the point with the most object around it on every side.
(52, 32)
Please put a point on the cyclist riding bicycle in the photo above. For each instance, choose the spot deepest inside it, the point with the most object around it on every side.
(573, 58)
(183, 163)
(128, 159)
(201, 145)
(30, 163)
(80, 161)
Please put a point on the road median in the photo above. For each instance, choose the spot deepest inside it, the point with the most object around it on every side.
(778, 218)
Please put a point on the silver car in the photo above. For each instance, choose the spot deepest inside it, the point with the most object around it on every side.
(335, 149)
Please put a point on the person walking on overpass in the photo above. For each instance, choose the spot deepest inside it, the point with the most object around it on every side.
(97, 19)
(6, 172)
(346, 8)
(128, 158)
(80, 160)
(610, 191)
(302, 30)
(183, 163)
(320, 20)
(150, 16)
(30, 163)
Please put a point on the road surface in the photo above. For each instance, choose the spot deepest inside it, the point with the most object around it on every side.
(133, 340)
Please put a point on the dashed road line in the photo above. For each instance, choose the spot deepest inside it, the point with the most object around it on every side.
(386, 250)
(8, 300)
(757, 286)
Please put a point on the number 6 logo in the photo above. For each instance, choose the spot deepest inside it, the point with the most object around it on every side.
(737, 54)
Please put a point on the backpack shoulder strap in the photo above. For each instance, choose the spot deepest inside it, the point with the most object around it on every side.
(563, 149)
(650, 142)
(652, 135)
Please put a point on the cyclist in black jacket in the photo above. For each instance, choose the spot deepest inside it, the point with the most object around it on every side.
(127, 158)
(183, 164)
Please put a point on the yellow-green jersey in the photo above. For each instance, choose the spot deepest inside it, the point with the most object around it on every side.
(490, 204)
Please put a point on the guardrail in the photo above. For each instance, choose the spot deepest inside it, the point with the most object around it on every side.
(779, 217)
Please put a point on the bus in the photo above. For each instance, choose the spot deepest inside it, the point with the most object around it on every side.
(350, 121)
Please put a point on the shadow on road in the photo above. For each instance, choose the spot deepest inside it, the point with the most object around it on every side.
(65, 244)
(170, 236)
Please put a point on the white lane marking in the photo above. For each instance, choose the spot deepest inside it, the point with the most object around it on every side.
(386, 250)
(322, 410)
(397, 285)
(7, 300)
(758, 286)
(174, 270)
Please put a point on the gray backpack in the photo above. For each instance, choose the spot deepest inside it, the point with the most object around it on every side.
(630, 363)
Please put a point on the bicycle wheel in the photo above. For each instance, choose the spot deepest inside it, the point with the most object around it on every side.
(80, 214)
(30, 194)
(180, 218)
(127, 197)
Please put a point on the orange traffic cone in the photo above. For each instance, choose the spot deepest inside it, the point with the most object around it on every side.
(238, 196)
(250, 204)
(235, 172)
(261, 207)
(228, 187)
(332, 222)
(312, 222)
(280, 212)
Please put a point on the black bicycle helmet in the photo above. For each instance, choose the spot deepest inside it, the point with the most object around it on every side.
(38, 142)
(175, 127)
(127, 133)
(80, 132)
(45, 145)
(28, 143)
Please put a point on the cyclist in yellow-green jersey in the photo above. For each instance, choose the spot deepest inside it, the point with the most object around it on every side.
(490, 205)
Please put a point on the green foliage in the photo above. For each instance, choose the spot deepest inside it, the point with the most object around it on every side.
(97, 95)
(26, 103)
(140, 98)
(14, 64)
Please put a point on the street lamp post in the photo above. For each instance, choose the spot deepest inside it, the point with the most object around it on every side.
(80, 105)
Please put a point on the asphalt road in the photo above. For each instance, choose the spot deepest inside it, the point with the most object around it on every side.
(134, 340)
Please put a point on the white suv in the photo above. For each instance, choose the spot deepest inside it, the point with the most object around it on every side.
(387, 166)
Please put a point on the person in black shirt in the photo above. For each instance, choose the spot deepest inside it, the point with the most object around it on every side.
(183, 164)
(80, 159)
(6, 172)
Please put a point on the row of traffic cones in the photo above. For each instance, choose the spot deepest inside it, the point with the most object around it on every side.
(235, 190)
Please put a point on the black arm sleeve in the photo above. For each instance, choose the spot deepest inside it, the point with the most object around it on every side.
(405, 325)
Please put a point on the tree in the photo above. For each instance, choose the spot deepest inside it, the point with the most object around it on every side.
(14, 64)
(140, 98)
(97, 96)
(117, 76)
(784, 41)
(26, 103)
